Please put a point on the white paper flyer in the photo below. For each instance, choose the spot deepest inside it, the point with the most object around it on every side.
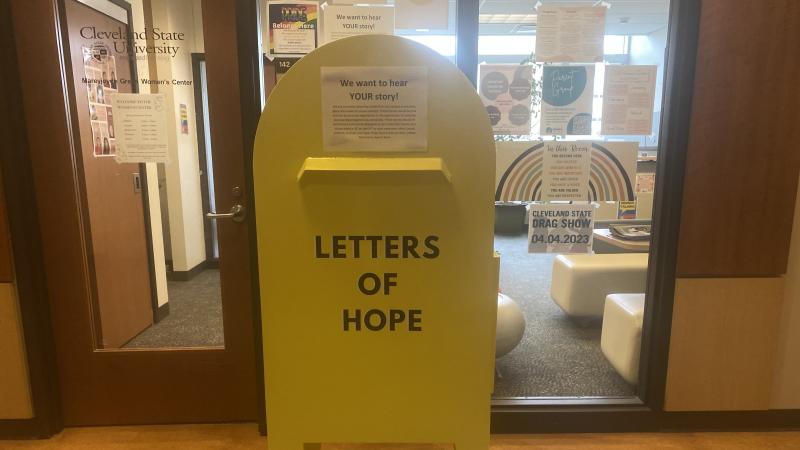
(628, 96)
(141, 127)
(567, 100)
(565, 173)
(570, 34)
(375, 109)
(341, 21)
(506, 92)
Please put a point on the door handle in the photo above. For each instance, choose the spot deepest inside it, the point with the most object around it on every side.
(237, 214)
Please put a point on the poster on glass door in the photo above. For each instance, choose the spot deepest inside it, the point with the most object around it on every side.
(292, 27)
(560, 228)
(565, 170)
(505, 90)
(374, 109)
(341, 21)
(570, 34)
(628, 96)
(142, 128)
(567, 100)
(100, 79)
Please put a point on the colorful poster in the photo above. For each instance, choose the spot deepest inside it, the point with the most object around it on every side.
(566, 168)
(375, 109)
(627, 209)
(560, 228)
(520, 168)
(570, 34)
(184, 119)
(341, 21)
(100, 79)
(628, 96)
(506, 92)
(567, 100)
(292, 27)
(141, 128)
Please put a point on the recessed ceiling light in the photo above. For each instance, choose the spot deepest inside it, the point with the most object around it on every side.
(507, 19)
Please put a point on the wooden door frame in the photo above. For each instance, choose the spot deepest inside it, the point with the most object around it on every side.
(250, 82)
(23, 220)
(38, 28)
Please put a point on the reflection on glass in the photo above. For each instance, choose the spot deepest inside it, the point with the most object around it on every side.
(154, 255)
(571, 339)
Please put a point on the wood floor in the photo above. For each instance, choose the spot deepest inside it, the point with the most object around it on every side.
(245, 436)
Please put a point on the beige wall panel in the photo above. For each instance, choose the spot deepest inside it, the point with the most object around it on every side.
(722, 349)
(786, 389)
(15, 395)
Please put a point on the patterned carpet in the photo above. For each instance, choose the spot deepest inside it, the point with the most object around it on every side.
(557, 357)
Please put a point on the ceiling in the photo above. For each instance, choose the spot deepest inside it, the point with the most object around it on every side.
(624, 16)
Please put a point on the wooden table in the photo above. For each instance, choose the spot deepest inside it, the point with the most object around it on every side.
(605, 242)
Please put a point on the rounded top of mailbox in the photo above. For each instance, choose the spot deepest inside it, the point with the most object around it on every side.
(371, 75)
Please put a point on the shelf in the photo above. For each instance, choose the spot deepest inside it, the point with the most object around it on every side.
(377, 169)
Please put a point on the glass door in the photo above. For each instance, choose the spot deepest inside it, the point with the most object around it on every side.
(165, 330)
(573, 321)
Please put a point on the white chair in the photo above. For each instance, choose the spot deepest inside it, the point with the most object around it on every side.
(621, 337)
(581, 282)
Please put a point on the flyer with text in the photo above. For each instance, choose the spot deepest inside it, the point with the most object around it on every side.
(560, 228)
(141, 127)
(567, 100)
(570, 33)
(628, 96)
(375, 109)
(565, 172)
(292, 27)
(341, 21)
(506, 92)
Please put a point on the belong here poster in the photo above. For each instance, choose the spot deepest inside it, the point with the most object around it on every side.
(292, 27)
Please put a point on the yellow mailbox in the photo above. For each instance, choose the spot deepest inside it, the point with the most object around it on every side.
(374, 183)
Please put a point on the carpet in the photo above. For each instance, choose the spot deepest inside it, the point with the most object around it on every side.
(557, 357)
(195, 316)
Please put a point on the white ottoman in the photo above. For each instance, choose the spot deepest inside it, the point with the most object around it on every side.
(621, 337)
(581, 282)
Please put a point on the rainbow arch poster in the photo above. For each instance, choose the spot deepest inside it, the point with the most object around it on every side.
(519, 171)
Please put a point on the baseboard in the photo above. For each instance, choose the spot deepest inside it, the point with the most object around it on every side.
(34, 428)
(161, 312)
(186, 275)
(637, 419)
(788, 419)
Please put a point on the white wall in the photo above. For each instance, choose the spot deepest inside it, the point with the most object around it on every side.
(156, 232)
(186, 227)
(786, 386)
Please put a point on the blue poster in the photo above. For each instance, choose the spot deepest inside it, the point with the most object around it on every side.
(567, 100)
